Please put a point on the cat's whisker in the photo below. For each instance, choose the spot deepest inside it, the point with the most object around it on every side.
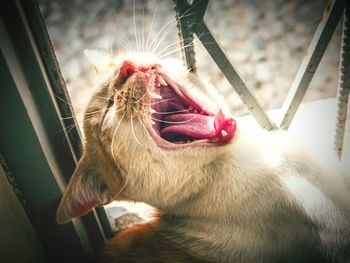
(103, 98)
(114, 112)
(169, 29)
(170, 25)
(120, 110)
(93, 112)
(121, 189)
(90, 115)
(165, 48)
(177, 42)
(151, 26)
(133, 92)
(113, 139)
(168, 53)
(68, 129)
(143, 28)
(173, 122)
(111, 43)
(118, 93)
(144, 95)
(64, 101)
(124, 37)
(133, 132)
(177, 49)
(154, 103)
(173, 21)
(160, 41)
(135, 28)
(86, 114)
(169, 122)
(166, 112)
(67, 118)
(143, 125)
(71, 128)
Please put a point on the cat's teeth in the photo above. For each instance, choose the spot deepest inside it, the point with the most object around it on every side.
(223, 133)
(153, 95)
(152, 122)
(161, 81)
(152, 110)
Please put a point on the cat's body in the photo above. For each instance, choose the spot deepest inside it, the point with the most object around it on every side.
(287, 209)
(224, 195)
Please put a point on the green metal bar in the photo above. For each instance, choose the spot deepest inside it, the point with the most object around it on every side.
(322, 36)
(58, 90)
(22, 148)
(190, 20)
(186, 14)
(32, 138)
(344, 84)
(185, 35)
(60, 97)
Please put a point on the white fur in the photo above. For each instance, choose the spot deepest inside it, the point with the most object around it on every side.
(233, 195)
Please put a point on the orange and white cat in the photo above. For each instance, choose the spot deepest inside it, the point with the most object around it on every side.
(226, 192)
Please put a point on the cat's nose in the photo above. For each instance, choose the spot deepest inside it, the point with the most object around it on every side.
(126, 70)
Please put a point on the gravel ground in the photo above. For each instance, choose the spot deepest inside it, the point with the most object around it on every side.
(265, 41)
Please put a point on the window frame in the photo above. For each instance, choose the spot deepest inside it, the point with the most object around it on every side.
(190, 22)
(36, 114)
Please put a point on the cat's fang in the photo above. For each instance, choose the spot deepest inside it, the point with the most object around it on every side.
(153, 95)
(161, 81)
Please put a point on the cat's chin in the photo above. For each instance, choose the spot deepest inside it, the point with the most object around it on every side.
(178, 120)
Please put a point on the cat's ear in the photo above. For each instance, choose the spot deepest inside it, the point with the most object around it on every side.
(101, 61)
(86, 189)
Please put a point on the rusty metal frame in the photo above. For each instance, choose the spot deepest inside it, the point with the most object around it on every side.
(190, 21)
(344, 84)
(190, 14)
(322, 37)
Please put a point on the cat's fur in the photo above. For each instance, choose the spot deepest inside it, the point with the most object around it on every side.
(259, 198)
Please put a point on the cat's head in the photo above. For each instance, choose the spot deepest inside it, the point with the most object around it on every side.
(152, 130)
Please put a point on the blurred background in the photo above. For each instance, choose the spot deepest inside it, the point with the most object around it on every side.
(265, 41)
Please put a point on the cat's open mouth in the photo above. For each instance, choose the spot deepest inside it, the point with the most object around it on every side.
(178, 120)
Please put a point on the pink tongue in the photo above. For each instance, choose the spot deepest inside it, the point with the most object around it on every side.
(216, 128)
(191, 124)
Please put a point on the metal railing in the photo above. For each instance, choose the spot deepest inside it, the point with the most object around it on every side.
(190, 14)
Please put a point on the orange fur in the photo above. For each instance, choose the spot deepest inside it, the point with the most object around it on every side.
(145, 243)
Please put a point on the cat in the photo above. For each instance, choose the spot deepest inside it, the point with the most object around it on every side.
(226, 192)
